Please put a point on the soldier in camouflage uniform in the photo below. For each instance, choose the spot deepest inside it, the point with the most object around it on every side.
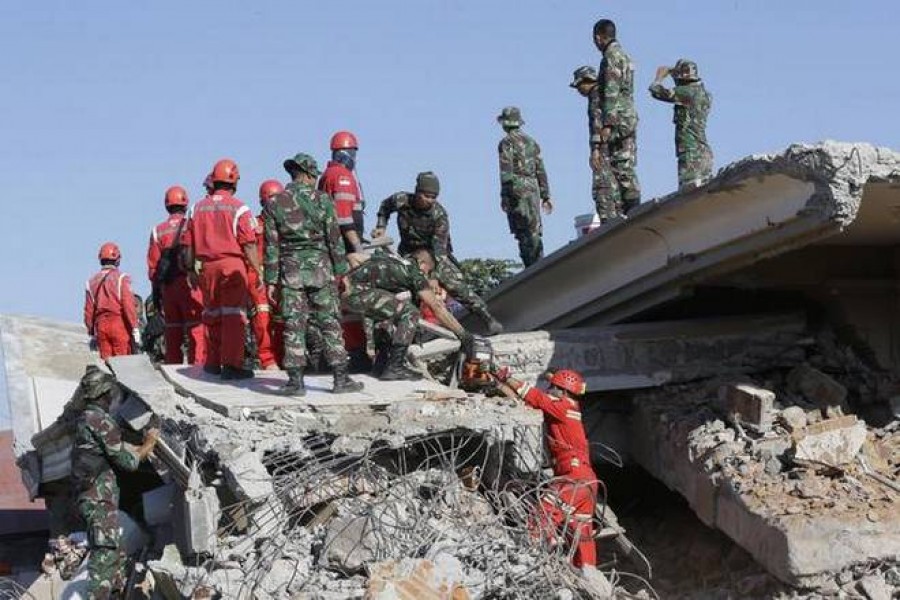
(423, 224)
(98, 450)
(523, 186)
(385, 288)
(304, 254)
(584, 80)
(692, 103)
(614, 137)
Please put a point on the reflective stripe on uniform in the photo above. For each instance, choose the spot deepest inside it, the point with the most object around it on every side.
(573, 414)
(526, 387)
(119, 285)
(344, 196)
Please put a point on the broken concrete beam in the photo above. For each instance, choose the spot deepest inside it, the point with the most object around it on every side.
(833, 442)
(753, 406)
(818, 387)
(196, 513)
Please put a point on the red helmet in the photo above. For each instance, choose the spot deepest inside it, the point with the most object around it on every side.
(343, 140)
(225, 171)
(269, 188)
(109, 251)
(176, 196)
(207, 184)
(569, 380)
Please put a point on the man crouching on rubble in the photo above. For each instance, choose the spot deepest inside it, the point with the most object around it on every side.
(572, 495)
(98, 448)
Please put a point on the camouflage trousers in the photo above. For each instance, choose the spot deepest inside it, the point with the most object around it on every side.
(524, 217)
(383, 307)
(452, 280)
(307, 308)
(694, 167)
(616, 189)
(106, 562)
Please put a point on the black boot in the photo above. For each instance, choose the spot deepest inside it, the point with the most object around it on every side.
(342, 382)
(493, 325)
(212, 369)
(397, 368)
(360, 362)
(229, 372)
(294, 385)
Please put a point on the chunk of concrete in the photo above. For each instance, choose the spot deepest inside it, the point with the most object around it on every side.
(793, 418)
(754, 406)
(350, 543)
(833, 442)
(418, 578)
(247, 477)
(817, 387)
(874, 587)
(196, 516)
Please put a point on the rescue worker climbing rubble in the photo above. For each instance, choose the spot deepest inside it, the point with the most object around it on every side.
(423, 224)
(221, 237)
(97, 450)
(181, 302)
(110, 315)
(261, 311)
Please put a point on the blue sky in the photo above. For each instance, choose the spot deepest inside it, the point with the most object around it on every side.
(105, 104)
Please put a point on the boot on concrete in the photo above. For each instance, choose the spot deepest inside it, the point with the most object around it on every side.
(342, 382)
(294, 385)
(397, 369)
(360, 361)
(229, 372)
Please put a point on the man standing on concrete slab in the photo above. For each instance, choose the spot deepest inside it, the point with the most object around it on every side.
(524, 189)
(614, 137)
(304, 254)
(221, 236)
(424, 224)
(109, 311)
(386, 288)
(98, 450)
(180, 303)
(692, 104)
(584, 80)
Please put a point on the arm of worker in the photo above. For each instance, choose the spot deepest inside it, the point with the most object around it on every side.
(387, 208)
(658, 90)
(440, 241)
(245, 232)
(129, 310)
(251, 253)
(543, 182)
(88, 309)
(186, 256)
(109, 438)
(613, 72)
(153, 256)
(443, 315)
(334, 241)
(507, 174)
(532, 395)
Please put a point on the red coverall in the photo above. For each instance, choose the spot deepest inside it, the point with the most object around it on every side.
(569, 501)
(219, 226)
(182, 306)
(340, 183)
(260, 310)
(109, 311)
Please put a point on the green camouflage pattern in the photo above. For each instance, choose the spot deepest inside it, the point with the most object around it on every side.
(304, 247)
(447, 273)
(614, 185)
(428, 229)
(692, 104)
(106, 561)
(312, 309)
(523, 186)
(616, 81)
(374, 289)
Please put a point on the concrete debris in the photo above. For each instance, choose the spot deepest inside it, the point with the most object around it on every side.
(793, 418)
(417, 579)
(247, 477)
(876, 588)
(750, 405)
(834, 442)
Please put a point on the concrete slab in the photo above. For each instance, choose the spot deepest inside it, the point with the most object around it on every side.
(50, 396)
(232, 398)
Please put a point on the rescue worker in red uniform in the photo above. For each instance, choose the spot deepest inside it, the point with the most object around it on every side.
(182, 304)
(221, 237)
(109, 311)
(339, 181)
(260, 310)
(572, 495)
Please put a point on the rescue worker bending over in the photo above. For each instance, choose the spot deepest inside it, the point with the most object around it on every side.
(109, 312)
(99, 450)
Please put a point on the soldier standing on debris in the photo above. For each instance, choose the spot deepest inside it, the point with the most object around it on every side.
(180, 303)
(424, 224)
(98, 450)
(109, 311)
(614, 137)
(575, 485)
(584, 80)
(385, 288)
(524, 190)
(221, 235)
(692, 104)
(304, 254)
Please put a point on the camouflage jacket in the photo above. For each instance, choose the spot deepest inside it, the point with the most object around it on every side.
(304, 247)
(98, 447)
(522, 170)
(390, 273)
(428, 229)
(692, 104)
(617, 91)
(595, 115)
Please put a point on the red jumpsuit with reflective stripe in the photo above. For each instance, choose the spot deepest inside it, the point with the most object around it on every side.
(219, 226)
(340, 183)
(182, 306)
(260, 309)
(571, 500)
(109, 311)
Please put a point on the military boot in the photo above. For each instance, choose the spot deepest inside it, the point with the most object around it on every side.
(360, 361)
(229, 372)
(342, 382)
(294, 385)
(397, 369)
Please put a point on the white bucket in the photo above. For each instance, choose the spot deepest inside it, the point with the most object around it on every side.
(586, 223)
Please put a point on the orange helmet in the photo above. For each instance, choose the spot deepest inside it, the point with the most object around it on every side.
(269, 188)
(176, 196)
(109, 251)
(343, 140)
(225, 171)
(569, 380)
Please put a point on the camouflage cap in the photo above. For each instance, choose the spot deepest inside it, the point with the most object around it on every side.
(428, 183)
(685, 70)
(304, 163)
(95, 383)
(584, 73)
(510, 116)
